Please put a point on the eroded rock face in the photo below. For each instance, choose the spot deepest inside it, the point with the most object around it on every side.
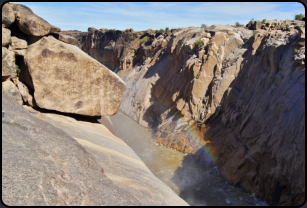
(66, 79)
(235, 96)
(31, 24)
(50, 167)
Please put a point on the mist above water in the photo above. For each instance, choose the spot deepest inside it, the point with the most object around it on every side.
(193, 180)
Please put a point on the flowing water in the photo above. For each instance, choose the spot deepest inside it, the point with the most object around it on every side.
(193, 180)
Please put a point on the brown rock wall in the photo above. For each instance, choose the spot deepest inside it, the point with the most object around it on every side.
(235, 96)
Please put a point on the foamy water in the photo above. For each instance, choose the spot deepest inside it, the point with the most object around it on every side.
(193, 180)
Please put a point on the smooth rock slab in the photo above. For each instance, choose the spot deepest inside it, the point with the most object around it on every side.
(66, 79)
(43, 165)
(31, 24)
(120, 163)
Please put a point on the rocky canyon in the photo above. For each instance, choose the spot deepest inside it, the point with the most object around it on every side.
(232, 96)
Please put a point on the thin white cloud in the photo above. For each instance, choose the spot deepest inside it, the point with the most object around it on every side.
(157, 15)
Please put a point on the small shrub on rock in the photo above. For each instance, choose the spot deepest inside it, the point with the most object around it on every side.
(237, 24)
(145, 39)
(263, 21)
(199, 43)
(296, 51)
(203, 25)
(17, 70)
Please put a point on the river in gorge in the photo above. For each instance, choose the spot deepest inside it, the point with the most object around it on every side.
(193, 180)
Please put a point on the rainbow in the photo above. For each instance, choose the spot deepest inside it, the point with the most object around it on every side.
(206, 151)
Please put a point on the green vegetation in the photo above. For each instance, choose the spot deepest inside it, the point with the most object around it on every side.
(203, 25)
(263, 21)
(144, 57)
(199, 43)
(237, 24)
(17, 70)
(166, 29)
(156, 31)
(80, 38)
(287, 25)
(161, 31)
(299, 16)
(295, 50)
(132, 38)
(145, 39)
(136, 50)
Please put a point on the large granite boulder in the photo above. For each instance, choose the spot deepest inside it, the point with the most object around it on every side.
(8, 16)
(43, 165)
(18, 43)
(6, 36)
(31, 24)
(8, 63)
(66, 79)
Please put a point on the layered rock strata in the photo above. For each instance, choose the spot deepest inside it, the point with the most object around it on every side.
(234, 92)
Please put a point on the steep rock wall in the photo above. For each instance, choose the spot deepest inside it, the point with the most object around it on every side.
(237, 101)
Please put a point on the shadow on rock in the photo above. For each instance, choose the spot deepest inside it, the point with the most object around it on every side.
(200, 183)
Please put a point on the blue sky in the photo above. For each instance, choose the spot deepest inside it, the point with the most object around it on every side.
(156, 15)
